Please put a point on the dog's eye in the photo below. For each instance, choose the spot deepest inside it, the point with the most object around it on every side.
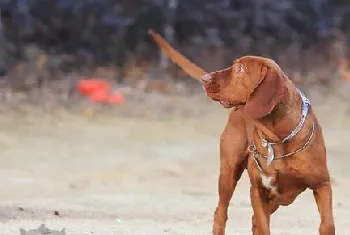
(239, 68)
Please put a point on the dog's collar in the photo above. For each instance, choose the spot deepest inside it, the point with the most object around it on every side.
(304, 111)
(269, 145)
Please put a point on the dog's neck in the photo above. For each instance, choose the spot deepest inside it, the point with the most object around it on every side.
(283, 118)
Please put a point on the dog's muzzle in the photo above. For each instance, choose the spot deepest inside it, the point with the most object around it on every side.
(206, 78)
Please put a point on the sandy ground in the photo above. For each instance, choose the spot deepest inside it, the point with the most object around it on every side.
(109, 174)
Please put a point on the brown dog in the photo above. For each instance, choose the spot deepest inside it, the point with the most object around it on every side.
(274, 134)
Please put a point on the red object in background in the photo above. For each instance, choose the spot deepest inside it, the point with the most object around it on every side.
(91, 86)
(99, 91)
(116, 98)
(99, 96)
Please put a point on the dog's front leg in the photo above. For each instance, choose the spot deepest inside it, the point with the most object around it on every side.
(233, 161)
(227, 183)
(262, 211)
(323, 197)
(273, 208)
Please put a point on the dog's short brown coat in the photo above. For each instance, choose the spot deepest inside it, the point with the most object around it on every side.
(267, 106)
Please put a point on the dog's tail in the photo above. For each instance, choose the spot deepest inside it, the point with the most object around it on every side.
(189, 67)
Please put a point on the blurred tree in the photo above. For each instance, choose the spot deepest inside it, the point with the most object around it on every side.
(105, 31)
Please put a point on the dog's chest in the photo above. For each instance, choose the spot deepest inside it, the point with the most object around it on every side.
(269, 183)
(281, 187)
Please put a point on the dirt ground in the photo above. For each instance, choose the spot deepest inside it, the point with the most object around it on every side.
(129, 175)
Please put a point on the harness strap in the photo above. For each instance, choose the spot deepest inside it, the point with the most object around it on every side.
(251, 148)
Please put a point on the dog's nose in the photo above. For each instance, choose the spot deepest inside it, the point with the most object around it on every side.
(206, 78)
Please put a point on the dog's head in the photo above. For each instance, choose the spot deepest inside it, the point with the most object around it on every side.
(257, 83)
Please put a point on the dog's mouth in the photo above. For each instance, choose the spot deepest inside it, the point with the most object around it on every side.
(226, 104)
(215, 95)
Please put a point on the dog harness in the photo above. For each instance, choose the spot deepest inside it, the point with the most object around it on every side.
(269, 145)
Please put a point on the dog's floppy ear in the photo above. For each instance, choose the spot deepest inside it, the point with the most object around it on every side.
(266, 93)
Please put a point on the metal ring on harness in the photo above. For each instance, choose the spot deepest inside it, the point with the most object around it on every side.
(252, 148)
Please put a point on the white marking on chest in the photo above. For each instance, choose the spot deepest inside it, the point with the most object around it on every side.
(267, 183)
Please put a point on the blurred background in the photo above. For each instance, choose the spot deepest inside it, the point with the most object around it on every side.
(101, 134)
